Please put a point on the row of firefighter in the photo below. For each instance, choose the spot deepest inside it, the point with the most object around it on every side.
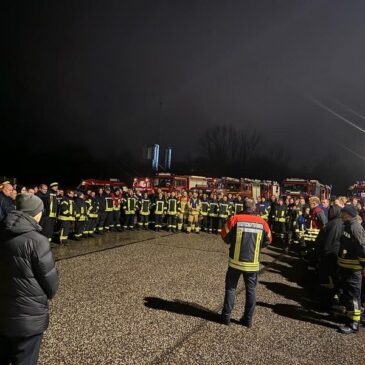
(80, 214)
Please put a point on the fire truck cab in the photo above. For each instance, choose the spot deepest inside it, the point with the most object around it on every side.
(169, 182)
(95, 184)
(304, 188)
(142, 184)
(250, 188)
(357, 190)
(269, 188)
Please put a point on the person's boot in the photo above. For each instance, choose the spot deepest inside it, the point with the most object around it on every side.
(351, 327)
(226, 319)
(245, 322)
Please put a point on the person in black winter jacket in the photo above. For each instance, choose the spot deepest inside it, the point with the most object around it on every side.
(28, 278)
(6, 201)
(327, 247)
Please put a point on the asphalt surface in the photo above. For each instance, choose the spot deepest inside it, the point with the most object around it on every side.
(154, 298)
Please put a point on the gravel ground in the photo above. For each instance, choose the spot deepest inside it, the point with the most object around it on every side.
(153, 298)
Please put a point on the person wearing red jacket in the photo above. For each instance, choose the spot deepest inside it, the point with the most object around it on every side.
(247, 234)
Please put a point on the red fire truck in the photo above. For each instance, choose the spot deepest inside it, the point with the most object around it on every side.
(169, 182)
(305, 188)
(357, 190)
(142, 184)
(98, 183)
(269, 188)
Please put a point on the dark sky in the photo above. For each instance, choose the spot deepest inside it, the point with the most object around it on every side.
(95, 72)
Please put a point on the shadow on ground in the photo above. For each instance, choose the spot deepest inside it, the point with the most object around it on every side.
(183, 308)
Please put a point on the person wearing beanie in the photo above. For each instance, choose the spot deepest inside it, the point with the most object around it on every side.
(351, 262)
(26, 285)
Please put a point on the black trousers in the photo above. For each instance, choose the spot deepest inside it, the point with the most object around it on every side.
(116, 219)
(250, 279)
(158, 220)
(108, 224)
(80, 228)
(205, 223)
(20, 350)
(65, 229)
(328, 280)
(48, 226)
(171, 221)
(90, 225)
(128, 221)
(101, 221)
(213, 224)
(143, 220)
(350, 283)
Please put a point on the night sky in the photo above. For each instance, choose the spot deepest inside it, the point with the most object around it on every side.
(94, 73)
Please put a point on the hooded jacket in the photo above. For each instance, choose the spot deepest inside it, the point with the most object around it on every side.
(28, 277)
(328, 239)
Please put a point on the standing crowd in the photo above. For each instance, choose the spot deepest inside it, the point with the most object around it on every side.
(328, 235)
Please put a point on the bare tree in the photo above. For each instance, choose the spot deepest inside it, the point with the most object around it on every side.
(227, 149)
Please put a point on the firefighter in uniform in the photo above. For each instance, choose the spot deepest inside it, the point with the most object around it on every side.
(194, 207)
(204, 212)
(213, 214)
(144, 207)
(351, 262)
(66, 215)
(246, 233)
(80, 216)
(129, 206)
(117, 203)
(172, 206)
(272, 208)
(280, 220)
(224, 211)
(92, 208)
(159, 207)
(262, 209)
(109, 209)
(49, 215)
(238, 204)
(183, 211)
(315, 222)
(101, 201)
(291, 219)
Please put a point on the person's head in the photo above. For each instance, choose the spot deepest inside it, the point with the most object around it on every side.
(301, 201)
(43, 188)
(263, 200)
(306, 211)
(249, 204)
(195, 194)
(205, 195)
(173, 194)
(184, 194)
(100, 191)
(225, 198)
(160, 195)
(291, 201)
(54, 186)
(70, 193)
(273, 198)
(145, 195)
(31, 191)
(214, 196)
(60, 192)
(35, 189)
(14, 193)
(229, 196)
(280, 202)
(92, 193)
(348, 212)
(239, 197)
(7, 188)
(30, 205)
(21, 189)
(325, 203)
(313, 202)
(107, 190)
(355, 202)
(130, 192)
(80, 195)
